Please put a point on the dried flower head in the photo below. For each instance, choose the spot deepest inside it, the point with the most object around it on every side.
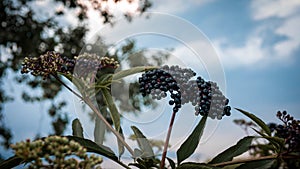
(47, 64)
(91, 63)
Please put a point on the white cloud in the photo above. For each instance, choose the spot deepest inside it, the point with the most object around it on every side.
(248, 54)
(255, 49)
(175, 7)
(263, 9)
(289, 29)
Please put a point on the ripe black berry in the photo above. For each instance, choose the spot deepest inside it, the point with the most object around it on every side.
(205, 96)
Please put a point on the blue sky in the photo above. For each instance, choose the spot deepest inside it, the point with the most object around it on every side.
(258, 44)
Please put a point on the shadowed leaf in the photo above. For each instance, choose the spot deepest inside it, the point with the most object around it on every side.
(257, 120)
(77, 128)
(191, 143)
(238, 149)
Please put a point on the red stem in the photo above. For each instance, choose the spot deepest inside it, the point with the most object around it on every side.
(162, 163)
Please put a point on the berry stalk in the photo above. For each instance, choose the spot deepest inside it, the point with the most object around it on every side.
(163, 158)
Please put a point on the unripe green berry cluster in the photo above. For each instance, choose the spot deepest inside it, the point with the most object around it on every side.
(55, 152)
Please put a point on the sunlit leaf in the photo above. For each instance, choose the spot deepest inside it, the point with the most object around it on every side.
(238, 149)
(77, 129)
(257, 120)
(143, 142)
(191, 143)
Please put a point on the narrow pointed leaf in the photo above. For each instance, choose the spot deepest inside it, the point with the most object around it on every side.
(120, 144)
(192, 165)
(257, 120)
(114, 113)
(99, 131)
(257, 164)
(191, 143)
(172, 163)
(95, 148)
(238, 149)
(276, 141)
(143, 142)
(11, 162)
(77, 128)
(132, 71)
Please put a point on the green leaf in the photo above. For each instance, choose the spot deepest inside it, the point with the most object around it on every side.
(143, 143)
(257, 120)
(137, 153)
(277, 142)
(171, 162)
(238, 149)
(95, 148)
(120, 144)
(138, 69)
(257, 164)
(77, 128)
(99, 130)
(191, 165)
(99, 149)
(191, 143)
(114, 113)
(11, 162)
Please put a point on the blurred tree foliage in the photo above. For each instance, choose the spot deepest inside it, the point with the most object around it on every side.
(23, 32)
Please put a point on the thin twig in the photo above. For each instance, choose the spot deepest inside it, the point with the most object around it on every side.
(60, 81)
(117, 134)
(91, 105)
(163, 158)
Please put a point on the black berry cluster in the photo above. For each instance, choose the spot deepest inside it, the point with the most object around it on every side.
(158, 82)
(204, 96)
(289, 130)
(47, 64)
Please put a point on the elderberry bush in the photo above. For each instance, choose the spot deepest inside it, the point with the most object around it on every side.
(206, 97)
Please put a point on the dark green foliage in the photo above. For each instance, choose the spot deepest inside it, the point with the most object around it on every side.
(257, 164)
(190, 165)
(257, 120)
(241, 147)
(190, 144)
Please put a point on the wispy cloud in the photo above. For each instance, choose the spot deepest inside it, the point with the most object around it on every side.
(280, 19)
(263, 9)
